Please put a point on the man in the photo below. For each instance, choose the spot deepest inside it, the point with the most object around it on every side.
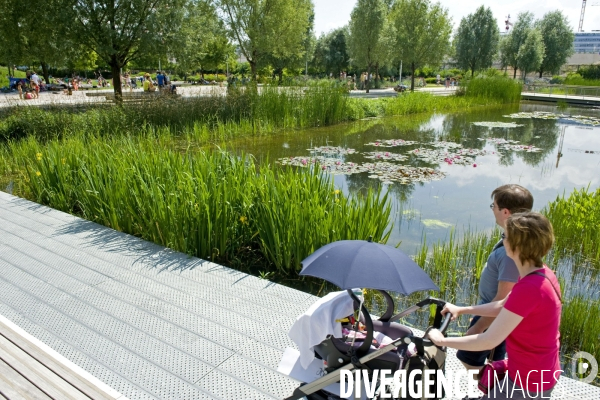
(160, 80)
(500, 272)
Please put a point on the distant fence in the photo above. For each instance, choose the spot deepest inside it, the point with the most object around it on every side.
(562, 90)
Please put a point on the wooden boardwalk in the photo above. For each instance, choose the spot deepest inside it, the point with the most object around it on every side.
(31, 370)
(148, 322)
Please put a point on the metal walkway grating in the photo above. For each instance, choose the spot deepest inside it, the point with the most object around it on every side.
(149, 322)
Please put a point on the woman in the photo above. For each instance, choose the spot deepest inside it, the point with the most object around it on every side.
(528, 318)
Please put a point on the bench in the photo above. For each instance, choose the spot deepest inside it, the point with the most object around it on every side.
(135, 96)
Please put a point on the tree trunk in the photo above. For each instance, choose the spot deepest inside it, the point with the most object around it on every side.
(115, 68)
(515, 73)
(376, 75)
(368, 80)
(412, 78)
(45, 72)
(253, 69)
(541, 72)
(280, 74)
(472, 72)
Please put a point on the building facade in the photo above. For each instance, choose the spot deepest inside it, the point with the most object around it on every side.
(587, 42)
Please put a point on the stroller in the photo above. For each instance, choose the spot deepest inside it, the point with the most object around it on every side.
(348, 264)
(406, 351)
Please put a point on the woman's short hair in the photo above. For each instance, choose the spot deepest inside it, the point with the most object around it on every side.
(515, 198)
(531, 234)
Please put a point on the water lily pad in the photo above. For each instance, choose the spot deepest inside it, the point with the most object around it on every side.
(496, 124)
(391, 143)
(436, 223)
(332, 150)
(380, 155)
(512, 145)
(456, 157)
(578, 119)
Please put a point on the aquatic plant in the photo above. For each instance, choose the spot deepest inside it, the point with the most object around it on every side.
(576, 222)
(213, 205)
(498, 88)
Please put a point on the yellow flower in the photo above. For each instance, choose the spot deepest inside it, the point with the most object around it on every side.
(337, 200)
(337, 191)
(38, 173)
(244, 220)
(38, 156)
(64, 160)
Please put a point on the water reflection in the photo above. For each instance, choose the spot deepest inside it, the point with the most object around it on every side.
(462, 198)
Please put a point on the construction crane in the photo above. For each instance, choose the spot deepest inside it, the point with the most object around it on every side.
(596, 3)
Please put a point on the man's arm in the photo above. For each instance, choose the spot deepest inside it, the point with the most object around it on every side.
(504, 288)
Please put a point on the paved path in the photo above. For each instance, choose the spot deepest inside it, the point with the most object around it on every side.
(149, 322)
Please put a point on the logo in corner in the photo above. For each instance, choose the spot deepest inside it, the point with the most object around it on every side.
(584, 367)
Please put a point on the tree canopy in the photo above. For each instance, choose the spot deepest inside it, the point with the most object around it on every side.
(331, 54)
(558, 39)
(121, 31)
(267, 28)
(515, 39)
(365, 41)
(476, 41)
(531, 53)
(420, 33)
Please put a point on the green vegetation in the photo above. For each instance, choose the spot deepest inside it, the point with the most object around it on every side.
(476, 41)
(208, 204)
(455, 265)
(577, 79)
(365, 41)
(242, 112)
(499, 88)
(578, 217)
(419, 34)
(558, 37)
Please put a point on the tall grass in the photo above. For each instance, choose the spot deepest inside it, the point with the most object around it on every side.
(456, 265)
(499, 88)
(576, 220)
(244, 111)
(212, 205)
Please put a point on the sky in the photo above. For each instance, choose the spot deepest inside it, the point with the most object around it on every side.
(331, 14)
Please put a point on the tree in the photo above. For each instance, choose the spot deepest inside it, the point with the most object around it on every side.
(121, 31)
(515, 40)
(420, 33)
(531, 52)
(331, 53)
(365, 40)
(476, 41)
(265, 28)
(296, 57)
(558, 41)
(201, 42)
(35, 40)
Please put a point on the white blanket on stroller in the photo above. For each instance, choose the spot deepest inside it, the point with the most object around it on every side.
(312, 327)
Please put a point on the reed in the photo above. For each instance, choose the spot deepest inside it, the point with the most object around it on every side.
(499, 88)
(214, 205)
(576, 222)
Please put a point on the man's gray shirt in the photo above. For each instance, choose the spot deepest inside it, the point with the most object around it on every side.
(499, 267)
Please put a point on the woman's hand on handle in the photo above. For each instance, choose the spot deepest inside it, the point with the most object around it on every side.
(452, 309)
(436, 337)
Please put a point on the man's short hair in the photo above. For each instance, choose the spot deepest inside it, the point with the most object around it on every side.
(531, 234)
(515, 198)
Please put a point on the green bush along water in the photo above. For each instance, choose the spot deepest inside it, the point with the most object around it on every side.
(244, 111)
(211, 205)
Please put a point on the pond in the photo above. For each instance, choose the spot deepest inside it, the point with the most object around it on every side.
(546, 149)
(460, 199)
